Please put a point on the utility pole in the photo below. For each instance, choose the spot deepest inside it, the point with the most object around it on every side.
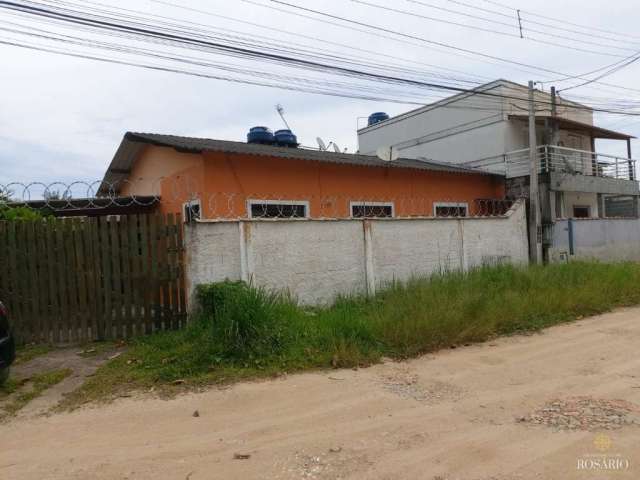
(535, 227)
(554, 114)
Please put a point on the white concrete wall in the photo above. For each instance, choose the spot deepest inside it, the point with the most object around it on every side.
(606, 240)
(483, 140)
(454, 131)
(571, 199)
(467, 127)
(315, 260)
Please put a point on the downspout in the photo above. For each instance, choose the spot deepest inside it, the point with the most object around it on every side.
(572, 247)
(632, 174)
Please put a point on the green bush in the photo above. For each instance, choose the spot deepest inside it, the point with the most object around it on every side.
(18, 213)
(245, 321)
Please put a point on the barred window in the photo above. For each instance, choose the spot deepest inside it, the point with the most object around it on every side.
(448, 209)
(278, 209)
(191, 211)
(372, 210)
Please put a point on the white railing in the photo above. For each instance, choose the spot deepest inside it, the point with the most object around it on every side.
(559, 159)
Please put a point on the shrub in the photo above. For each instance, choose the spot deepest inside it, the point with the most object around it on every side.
(245, 321)
(18, 213)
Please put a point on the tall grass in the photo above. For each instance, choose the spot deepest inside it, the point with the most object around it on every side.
(242, 331)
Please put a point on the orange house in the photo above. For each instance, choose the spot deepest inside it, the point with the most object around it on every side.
(215, 179)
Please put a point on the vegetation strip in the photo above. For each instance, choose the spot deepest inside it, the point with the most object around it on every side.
(244, 332)
(39, 383)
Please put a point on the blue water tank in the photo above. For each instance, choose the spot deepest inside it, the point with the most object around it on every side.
(286, 138)
(260, 135)
(377, 117)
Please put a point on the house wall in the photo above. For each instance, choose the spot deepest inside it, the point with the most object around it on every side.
(456, 131)
(605, 239)
(468, 127)
(228, 180)
(316, 260)
(520, 105)
(571, 199)
(153, 165)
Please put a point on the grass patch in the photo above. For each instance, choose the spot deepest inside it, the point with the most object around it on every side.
(26, 353)
(39, 383)
(8, 387)
(244, 332)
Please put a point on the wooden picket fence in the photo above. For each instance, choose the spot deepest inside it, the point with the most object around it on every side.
(79, 279)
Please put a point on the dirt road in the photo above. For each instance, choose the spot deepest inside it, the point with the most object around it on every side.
(558, 405)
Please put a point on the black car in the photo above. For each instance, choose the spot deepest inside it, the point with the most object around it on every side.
(7, 344)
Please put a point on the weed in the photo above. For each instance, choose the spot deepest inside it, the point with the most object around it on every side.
(245, 332)
(40, 383)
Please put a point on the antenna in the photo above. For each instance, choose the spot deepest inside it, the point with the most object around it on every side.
(321, 144)
(388, 154)
(280, 110)
(336, 148)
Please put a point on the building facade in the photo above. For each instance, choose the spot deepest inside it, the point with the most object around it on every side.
(215, 179)
(488, 129)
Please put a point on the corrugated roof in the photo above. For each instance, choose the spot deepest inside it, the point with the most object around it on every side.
(595, 132)
(133, 143)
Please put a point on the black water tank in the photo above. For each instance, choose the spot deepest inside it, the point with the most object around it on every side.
(260, 135)
(286, 138)
(377, 117)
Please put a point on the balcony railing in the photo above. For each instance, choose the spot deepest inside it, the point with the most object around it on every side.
(559, 159)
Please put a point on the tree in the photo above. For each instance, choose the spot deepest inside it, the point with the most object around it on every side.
(8, 212)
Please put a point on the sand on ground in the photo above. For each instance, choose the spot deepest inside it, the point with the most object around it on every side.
(483, 411)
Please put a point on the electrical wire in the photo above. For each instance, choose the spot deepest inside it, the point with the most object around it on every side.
(244, 52)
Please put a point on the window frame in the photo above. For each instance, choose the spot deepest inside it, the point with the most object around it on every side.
(372, 204)
(256, 201)
(585, 207)
(189, 204)
(464, 205)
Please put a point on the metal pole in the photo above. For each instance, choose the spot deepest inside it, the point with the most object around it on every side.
(632, 173)
(535, 228)
(554, 114)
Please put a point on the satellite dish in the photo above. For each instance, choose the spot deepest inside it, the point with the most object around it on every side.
(388, 154)
(321, 144)
(336, 148)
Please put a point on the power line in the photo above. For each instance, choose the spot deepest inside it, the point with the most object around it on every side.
(611, 71)
(318, 39)
(527, 20)
(564, 21)
(422, 39)
(244, 52)
(474, 27)
(314, 49)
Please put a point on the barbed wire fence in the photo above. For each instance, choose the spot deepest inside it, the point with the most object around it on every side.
(189, 197)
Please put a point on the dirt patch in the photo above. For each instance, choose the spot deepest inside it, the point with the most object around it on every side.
(586, 413)
(406, 384)
(288, 425)
(336, 462)
(79, 363)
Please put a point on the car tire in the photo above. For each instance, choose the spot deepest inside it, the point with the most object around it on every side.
(4, 375)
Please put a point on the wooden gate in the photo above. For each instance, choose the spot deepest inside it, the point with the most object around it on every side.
(73, 280)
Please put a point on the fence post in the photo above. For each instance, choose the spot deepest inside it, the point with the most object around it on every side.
(369, 269)
(246, 262)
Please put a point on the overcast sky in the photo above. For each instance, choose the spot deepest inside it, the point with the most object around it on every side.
(62, 118)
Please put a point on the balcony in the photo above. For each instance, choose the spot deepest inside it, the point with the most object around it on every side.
(560, 160)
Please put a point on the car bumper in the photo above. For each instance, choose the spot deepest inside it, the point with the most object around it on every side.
(7, 351)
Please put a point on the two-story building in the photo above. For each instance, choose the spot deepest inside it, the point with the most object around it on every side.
(488, 129)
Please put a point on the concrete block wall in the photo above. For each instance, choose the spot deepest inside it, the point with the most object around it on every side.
(604, 239)
(315, 260)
